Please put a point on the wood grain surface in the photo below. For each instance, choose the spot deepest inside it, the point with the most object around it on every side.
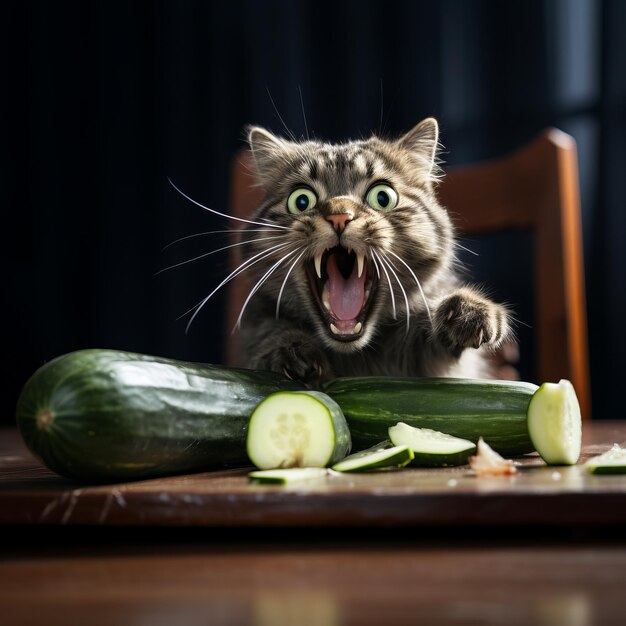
(31, 494)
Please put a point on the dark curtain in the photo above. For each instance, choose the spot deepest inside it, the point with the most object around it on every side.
(103, 101)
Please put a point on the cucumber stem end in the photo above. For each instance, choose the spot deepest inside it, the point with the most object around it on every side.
(45, 419)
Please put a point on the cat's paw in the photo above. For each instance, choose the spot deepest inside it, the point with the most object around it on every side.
(465, 319)
(299, 360)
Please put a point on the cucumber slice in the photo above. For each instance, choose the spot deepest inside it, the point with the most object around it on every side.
(381, 456)
(287, 476)
(555, 423)
(297, 429)
(612, 461)
(432, 448)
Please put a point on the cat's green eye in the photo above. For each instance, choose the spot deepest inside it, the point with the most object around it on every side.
(300, 200)
(382, 197)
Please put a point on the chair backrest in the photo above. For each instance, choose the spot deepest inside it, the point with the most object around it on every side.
(533, 189)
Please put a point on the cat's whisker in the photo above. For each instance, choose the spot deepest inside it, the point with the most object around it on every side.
(419, 285)
(377, 268)
(280, 293)
(406, 300)
(230, 217)
(232, 245)
(280, 117)
(458, 245)
(247, 264)
(380, 124)
(267, 221)
(400, 241)
(260, 283)
(393, 298)
(306, 128)
(231, 231)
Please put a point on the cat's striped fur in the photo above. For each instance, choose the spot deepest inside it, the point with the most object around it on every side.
(314, 312)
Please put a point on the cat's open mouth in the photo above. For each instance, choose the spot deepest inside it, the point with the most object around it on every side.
(341, 284)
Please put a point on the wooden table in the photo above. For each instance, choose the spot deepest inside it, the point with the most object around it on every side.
(406, 547)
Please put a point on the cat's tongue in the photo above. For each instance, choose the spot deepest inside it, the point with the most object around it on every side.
(346, 295)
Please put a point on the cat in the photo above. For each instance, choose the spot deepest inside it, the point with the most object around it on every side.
(354, 266)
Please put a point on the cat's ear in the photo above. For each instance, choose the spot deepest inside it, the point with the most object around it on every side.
(268, 151)
(422, 141)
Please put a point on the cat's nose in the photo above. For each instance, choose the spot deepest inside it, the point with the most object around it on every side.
(339, 220)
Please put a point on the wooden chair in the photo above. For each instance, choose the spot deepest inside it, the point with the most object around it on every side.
(534, 189)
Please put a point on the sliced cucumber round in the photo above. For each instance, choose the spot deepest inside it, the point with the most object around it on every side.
(612, 461)
(432, 448)
(297, 429)
(287, 476)
(381, 456)
(555, 423)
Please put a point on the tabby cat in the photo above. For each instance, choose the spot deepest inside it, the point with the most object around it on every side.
(353, 264)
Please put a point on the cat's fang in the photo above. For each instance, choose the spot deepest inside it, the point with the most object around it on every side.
(360, 260)
(357, 328)
(334, 329)
(318, 265)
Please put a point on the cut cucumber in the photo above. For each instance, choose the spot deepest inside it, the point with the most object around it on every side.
(102, 416)
(381, 456)
(432, 448)
(297, 429)
(555, 423)
(612, 461)
(287, 476)
(462, 407)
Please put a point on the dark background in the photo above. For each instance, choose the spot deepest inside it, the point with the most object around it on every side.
(103, 101)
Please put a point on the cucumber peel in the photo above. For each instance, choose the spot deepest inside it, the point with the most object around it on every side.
(555, 423)
(381, 456)
(467, 408)
(287, 476)
(612, 461)
(297, 429)
(432, 448)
